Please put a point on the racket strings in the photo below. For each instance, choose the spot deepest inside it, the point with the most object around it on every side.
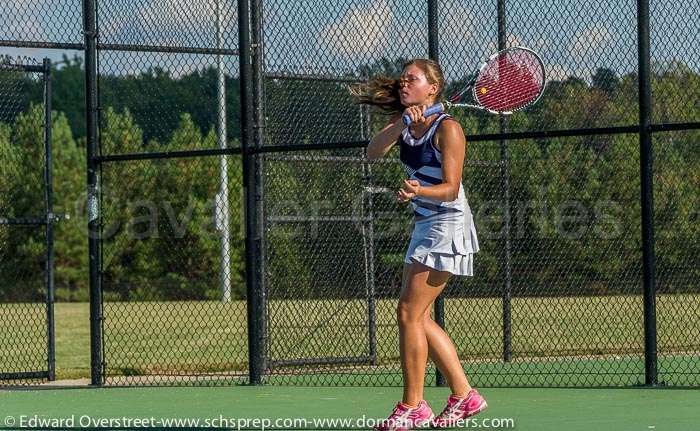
(510, 81)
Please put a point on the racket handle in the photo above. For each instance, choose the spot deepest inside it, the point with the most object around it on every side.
(437, 108)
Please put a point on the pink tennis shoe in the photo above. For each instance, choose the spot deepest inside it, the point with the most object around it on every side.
(405, 418)
(459, 409)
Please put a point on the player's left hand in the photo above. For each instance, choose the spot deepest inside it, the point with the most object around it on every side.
(408, 191)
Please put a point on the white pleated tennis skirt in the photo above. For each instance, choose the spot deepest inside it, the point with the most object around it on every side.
(445, 243)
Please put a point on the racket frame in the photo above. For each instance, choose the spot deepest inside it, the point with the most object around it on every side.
(481, 69)
(446, 105)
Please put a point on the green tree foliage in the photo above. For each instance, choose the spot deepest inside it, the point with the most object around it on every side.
(157, 100)
(159, 236)
(574, 202)
(69, 179)
(22, 158)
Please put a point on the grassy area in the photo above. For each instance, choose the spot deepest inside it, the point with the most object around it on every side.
(598, 336)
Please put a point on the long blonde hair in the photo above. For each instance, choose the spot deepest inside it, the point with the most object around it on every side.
(383, 92)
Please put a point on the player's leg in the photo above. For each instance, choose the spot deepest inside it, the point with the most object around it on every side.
(416, 297)
(464, 401)
(422, 286)
(443, 352)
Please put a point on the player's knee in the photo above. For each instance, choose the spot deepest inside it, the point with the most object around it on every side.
(407, 313)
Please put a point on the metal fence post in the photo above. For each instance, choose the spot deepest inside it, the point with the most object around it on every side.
(367, 226)
(48, 184)
(434, 54)
(505, 190)
(222, 212)
(253, 293)
(646, 171)
(258, 130)
(91, 105)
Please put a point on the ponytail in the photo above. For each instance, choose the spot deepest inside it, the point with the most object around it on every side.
(380, 91)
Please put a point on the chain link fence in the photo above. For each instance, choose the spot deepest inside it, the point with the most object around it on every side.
(676, 227)
(239, 235)
(36, 23)
(173, 298)
(27, 353)
(556, 299)
(674, 90)
(170, 229)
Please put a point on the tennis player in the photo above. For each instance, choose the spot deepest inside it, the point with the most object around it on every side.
(443, 242)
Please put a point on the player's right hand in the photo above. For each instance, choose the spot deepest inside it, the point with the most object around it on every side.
(416, 113)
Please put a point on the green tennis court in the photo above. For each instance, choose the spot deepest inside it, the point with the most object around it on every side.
(199, 223)
(529, 409)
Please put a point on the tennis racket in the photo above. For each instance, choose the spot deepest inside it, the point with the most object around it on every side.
(510, 80)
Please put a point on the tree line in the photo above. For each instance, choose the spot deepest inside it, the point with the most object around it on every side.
(574, 207)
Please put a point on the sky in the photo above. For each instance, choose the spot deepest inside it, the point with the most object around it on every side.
(311, 36)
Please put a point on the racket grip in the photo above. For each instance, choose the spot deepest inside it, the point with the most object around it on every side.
(428, 112)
